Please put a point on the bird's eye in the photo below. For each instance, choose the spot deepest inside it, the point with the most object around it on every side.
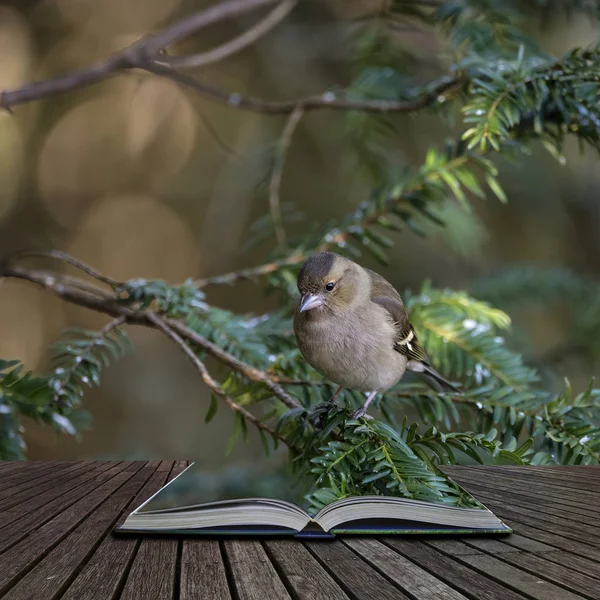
(330, 286)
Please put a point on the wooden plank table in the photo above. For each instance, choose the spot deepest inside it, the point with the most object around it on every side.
(56, 520)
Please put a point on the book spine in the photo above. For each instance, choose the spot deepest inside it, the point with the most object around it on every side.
(315, 535)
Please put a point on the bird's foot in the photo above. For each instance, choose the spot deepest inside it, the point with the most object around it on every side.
(361, 413)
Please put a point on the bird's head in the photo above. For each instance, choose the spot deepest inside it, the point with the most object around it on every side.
(330, 281)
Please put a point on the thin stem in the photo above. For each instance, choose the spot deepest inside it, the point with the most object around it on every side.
(326, 100)
(67, 258)
(275, 184)
(236, 44)
(252, 272)
(112, 306)
(211, 383)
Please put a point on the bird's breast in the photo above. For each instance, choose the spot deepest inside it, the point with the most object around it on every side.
(354, 350)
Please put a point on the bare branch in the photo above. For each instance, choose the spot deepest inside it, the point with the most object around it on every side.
(194, 23)
(162, 325)
(67, 258)
(252, 272)
(327, 100)
(139, 55)
(145, 54)
(53, 283)
(236, 44)
(275, 183)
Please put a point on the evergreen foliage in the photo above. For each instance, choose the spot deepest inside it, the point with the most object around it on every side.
(506, 96)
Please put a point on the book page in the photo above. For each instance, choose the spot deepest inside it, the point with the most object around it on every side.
(197, 486)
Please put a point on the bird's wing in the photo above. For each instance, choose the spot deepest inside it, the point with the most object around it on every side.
(384, 294)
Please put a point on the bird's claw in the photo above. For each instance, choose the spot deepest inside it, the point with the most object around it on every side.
(361, 412)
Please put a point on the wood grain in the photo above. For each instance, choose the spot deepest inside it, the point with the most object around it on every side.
(353, 573)
(302, 572)
(203, 574)
(253, 574)
(56, 543)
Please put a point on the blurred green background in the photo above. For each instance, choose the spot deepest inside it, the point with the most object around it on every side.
(143, 179)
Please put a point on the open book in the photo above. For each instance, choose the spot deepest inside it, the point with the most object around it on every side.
(170, 511)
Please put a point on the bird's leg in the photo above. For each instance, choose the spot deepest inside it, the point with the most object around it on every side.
(335, 395)
(362, 411)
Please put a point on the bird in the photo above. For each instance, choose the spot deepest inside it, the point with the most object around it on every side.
(353, 328)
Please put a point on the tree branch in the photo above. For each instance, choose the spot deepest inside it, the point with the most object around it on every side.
(275, 183)
(236, 44)
(211, 383)
(54, 283)
(251, 273)
(146, 54)
(327, 100)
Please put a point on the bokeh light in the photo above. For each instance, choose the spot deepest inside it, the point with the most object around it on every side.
(136, 236)
(22, 330)
(116, 15)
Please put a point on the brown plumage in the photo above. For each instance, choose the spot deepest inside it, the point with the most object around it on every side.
(352, 326)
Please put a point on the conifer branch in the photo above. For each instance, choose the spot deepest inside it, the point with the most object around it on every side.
(210, 382)
(54, 283)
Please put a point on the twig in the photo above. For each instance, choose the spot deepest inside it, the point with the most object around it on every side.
(327, 100)
(332, 239)
(236, 44)
(67, 258)
(252, 272)
(111, 306)
(192, 24)
(145, 54)
(140, 55)
(161, 324)
(275, 183)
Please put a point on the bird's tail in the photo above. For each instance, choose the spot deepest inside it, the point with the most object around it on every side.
(433, 378)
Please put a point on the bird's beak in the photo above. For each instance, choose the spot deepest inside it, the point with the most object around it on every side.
(310, 301)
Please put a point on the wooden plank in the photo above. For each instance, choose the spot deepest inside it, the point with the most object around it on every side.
(528, 582)
(46, 488)
(490, 545)
(104, 574)
(524, 543)
(460, 576)
(44, 481)
(15, 478)
(541, 491)
(154, 566)
(14, 465)
(569, 522)
(18, 522)
(556, 540)
(571, 474)
(577, 563)
(355, 576)
(521, 581)
(153, 575)
(417, 582)
(557, 525)
(575, 581)
(254, 576)
(539, 484)
(544, 491)
(301, 572)
(529, 495)
(52, 574)
(453, 547)
(16, 561)
(203, 574)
